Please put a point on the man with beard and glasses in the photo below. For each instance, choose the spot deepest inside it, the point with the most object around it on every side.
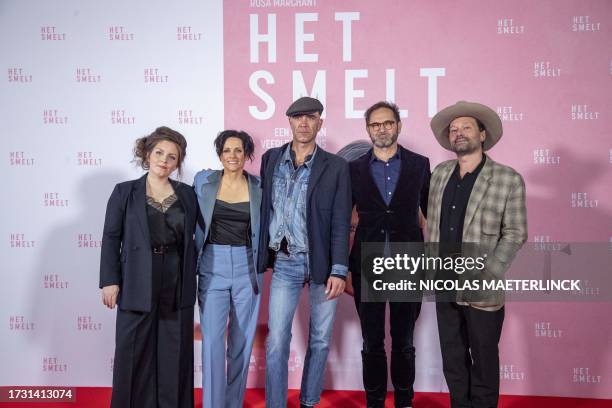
(389, 186)
(474, 200)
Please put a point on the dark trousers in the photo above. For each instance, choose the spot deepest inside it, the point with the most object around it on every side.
(470, 356)
(153, 364)
(402, 318)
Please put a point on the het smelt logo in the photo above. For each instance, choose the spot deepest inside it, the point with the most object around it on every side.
(510, 372)
(54, 117)
(187, 33)
(121, 117)
(53, 199)
(20, 159)
(584, 375)
(54, 281)
(506, 114)
(53, 364)
(547, 330)
(86, 323)
(20, 323)
(19, 240)
(582, 24)
(508, 26)
(154, 76)
(583, 200)
(545, 69)
(187, 117)
(87, 75)
(88, 159)
(120, 33)
(583, 112)
(87, 241)
(545, 157)
(19, 75)
(51, 33)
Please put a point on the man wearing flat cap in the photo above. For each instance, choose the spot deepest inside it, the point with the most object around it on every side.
(305, 222)
(474, 200)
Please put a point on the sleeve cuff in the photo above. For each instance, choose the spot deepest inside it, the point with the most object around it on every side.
(339, 270)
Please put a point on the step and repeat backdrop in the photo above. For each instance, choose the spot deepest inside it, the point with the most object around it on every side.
(80, 81)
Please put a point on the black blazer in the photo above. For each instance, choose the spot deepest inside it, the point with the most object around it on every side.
(400, 219)
(328, 212)
(126, 245)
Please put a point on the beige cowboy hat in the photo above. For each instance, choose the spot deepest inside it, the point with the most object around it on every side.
(491, 121)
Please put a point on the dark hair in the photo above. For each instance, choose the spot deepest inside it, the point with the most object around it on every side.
(145, 145)
(247, 142)
(481, 126)
(382, 104)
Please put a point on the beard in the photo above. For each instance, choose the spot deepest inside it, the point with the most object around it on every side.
(470, 146)
(384, 139)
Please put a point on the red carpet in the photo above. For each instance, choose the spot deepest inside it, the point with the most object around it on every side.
(89, 397)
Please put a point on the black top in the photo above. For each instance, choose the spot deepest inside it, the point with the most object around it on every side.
(230, 224)
(166, 222)
(454, 203)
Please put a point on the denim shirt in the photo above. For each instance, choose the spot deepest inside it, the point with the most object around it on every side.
(289, 206)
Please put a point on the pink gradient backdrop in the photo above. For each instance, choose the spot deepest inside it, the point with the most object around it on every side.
(574, 156)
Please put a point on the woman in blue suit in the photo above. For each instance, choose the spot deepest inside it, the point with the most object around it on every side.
(229, 287)
(148, 269)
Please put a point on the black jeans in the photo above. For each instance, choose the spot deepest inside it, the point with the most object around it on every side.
(402, 316)
(470, 356)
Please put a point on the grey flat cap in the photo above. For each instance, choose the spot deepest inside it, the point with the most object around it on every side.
(303, 105)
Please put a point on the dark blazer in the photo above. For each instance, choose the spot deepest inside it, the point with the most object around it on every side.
(126, 245)
(206, 184)
(328, 212)
(400, 219)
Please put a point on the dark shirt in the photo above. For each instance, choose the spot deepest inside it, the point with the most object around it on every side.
(166, 222)
(230, 224)
(454, 204)
(386, 174)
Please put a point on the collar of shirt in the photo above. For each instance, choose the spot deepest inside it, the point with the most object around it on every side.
(289, 155)
(395, 156)
(472, 174)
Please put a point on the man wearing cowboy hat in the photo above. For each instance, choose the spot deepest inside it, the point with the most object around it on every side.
(474, 200)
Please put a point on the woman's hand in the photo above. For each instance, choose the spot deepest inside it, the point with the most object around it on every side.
(109, 295)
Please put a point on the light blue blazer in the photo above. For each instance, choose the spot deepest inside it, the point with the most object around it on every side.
(206, 185)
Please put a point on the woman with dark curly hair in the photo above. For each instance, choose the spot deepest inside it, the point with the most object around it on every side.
(148, 269)
(229, 287)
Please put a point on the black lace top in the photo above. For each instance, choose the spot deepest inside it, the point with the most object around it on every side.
(166, 221)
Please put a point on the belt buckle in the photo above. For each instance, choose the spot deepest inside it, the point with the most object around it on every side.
(159, 250)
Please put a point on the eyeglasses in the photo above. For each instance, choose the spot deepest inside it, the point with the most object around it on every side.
(387, 125)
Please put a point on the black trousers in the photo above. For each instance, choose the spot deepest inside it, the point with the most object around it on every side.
(402, 318)
(153, 364)
(469, 340)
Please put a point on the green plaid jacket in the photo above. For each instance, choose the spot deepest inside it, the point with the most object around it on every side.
(495, 218)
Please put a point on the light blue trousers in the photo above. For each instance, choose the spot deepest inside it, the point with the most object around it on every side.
(225, 293)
